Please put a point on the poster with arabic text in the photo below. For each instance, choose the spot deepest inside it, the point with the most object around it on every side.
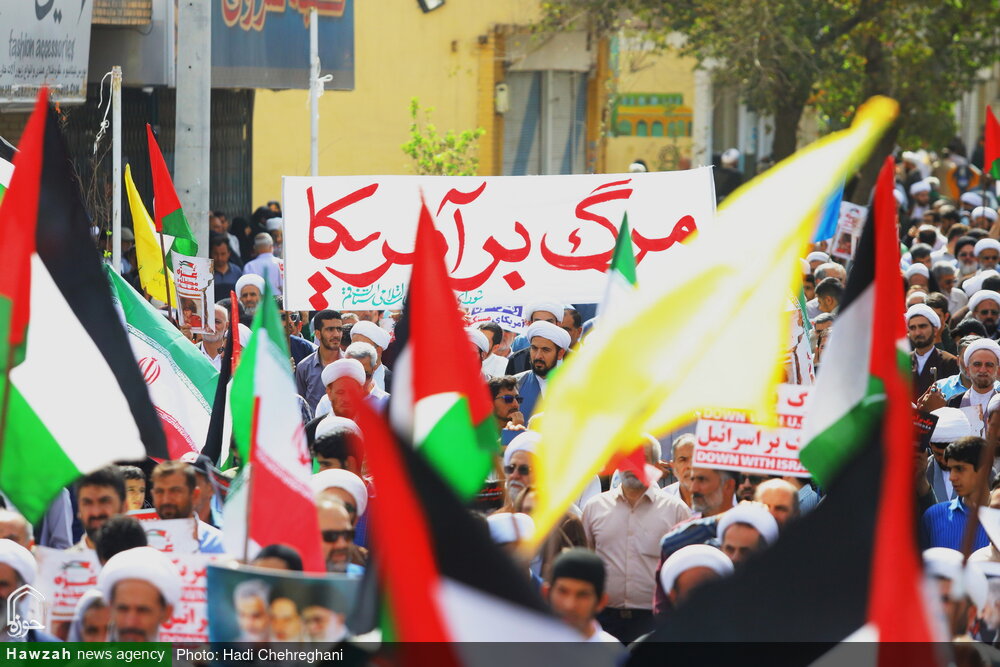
(731, 440)
(349, 240)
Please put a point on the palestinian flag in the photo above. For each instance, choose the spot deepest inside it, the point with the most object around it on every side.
(167, 212)
(444, 578)
(439, 400)
(74, 399)
(180, 378)
(272, 497)
(875, 584)
(991, 147)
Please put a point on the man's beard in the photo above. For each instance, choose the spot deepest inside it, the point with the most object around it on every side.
(129, 635)
(983, 383)
(92, 529)
(214, 338)
(968, 268)
(702, 503)
(991, 326)
(250, 310)
(632, 483)
(540, 369)
(918, 342)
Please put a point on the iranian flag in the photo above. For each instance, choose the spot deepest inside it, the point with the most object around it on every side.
(168, 215)
(73, 398)
(440, 401)
(991, 147)
(180, 378)
(271, 497)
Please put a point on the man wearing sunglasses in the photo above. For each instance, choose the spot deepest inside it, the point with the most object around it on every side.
(985, 307)
(337, 535)
(548, 344)
(506, 402)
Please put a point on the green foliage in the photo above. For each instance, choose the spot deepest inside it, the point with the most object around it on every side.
(781, 55)
(436, 155)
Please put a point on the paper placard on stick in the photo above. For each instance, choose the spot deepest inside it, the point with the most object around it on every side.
(194, 280)
(348, 240)
(974, 413)
(172, 536)
(63, 578)
(509, 318)
(732, 440)
(849, 226)
(189, 622)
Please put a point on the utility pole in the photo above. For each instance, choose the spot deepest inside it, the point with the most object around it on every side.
(116, 168)
(193, 130)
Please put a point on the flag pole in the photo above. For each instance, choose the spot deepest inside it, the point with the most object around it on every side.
(166, 280)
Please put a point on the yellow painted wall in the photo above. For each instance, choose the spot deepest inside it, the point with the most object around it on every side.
(400, 53)
(640, 71)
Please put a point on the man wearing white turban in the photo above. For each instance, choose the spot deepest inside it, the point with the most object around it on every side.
(927, 361)
(982, 361)
(548, 343)
(544, 311)
(952, 424)
(984, 305)
(379, 338)
(142, 586)
(250, 290)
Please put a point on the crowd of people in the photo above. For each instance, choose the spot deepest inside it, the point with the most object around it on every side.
(631, 549)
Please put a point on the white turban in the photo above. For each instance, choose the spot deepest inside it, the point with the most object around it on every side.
(548, 331)
(990, 519)
(372, 332)
(143, 563)
(983, 295)
(900, 197)
(986, 212)
(342, 479)
(975, 283)
(981, 344)
(694, 555)
(910, 156)
(525, 442)
(971, 198)
(986, 244)
(506, 527)
(730, 155)
(952, 424)
(19, 559)
(968, 580)
(344, 368)
(274, 224)
(754, 515)
(479, 339)
(917, 269)
(556, 309)
(923, 310)
(334, 424)
(249, 279)
(920, 186)
(817, 257)
(803, 264)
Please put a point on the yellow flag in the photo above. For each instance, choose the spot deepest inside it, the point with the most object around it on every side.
(148, 254)
(713, 338)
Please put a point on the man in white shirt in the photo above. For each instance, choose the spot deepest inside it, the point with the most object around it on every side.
(265, 264)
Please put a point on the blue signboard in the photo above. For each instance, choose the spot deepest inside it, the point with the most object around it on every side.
(265, 43)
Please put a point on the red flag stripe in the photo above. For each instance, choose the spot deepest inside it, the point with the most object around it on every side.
(437, 325)
(896, 604)
(19, 213)
(234, 330)
(165, 199)
(407, 567)
(991, 144)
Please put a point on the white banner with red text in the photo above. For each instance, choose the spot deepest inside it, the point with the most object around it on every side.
(348, 240)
